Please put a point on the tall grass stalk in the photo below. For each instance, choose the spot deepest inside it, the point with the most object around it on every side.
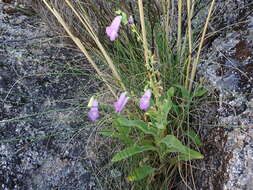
(195, 63)
(189, 28)
(166, 12)
(179, 29)
(143, 29)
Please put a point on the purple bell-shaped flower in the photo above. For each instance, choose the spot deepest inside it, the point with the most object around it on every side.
(145, 100)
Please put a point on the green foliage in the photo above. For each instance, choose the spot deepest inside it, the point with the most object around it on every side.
(199, 92)
(174, 145)
(184, 92)
(140, 173)
(124, 16)
(130, 152)
(193, 137)
(141, 125)
(152, 137)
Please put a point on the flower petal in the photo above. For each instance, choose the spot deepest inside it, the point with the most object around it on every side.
(120, 104)
(93, 114)
(112, 30)
(145, 100)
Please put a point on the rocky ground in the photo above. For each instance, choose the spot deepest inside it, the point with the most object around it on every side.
(227, 127)
(44, 89)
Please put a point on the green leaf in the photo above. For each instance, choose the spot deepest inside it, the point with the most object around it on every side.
(130, 152)
(124, 19)
(107, 133)
(126, 139)
(175, 109)
(140, 173)
(185, 157)
(167, 105)
(194, 137)
(122, 129)
(162, 117)
(171, 92)
(160, 125)
(147, 142)
(192, 155)
(199, 93)
(175, 145)
(141, 125)
(123, 137)
(118, 12)
(185, 93)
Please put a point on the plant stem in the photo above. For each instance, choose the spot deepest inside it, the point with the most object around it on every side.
(179, 28)
(143, 29)
(189, 17)
(194, 66)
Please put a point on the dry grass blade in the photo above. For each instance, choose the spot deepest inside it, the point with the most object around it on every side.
(179, 27)
(167, 23)
(78, 43)
(194, 66)
(189, 17)
(143, 29)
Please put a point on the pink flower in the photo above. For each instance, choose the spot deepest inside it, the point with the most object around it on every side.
(93, 114)
(112, 31)
(145, 100)
(131, 20)
(120, 104)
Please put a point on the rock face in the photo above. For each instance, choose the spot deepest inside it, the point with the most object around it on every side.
(228, 149)
(43, 93)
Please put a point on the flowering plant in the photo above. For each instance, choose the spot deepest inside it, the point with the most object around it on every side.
(154, 133)
(155, 128)
(157, 54)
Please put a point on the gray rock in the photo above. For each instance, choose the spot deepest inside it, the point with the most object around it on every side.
(228, 147)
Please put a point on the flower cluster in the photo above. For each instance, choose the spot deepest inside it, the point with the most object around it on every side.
(112, 33)
(113, 29)
(119, 105)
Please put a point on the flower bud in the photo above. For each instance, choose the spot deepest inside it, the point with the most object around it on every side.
(120, 104)
(112, 30)
(93, 114)
(145, 100)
